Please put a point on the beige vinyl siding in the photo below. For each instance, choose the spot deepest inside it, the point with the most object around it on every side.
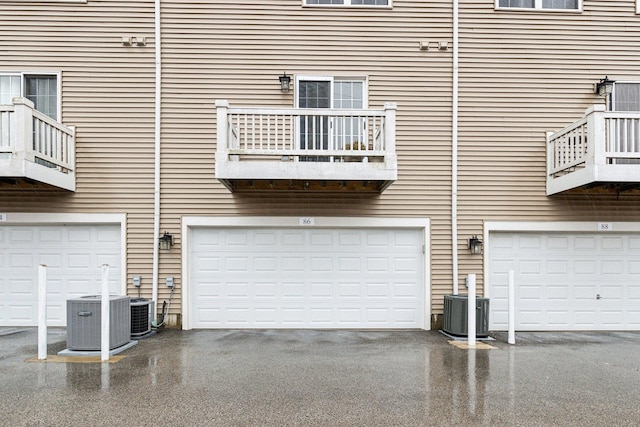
(236, 51)
(108, 94)
(522, 74)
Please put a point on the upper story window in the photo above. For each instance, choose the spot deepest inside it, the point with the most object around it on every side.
(41, 89)
(384, 3)
(625, 97)
(561, 5)
(322, 132)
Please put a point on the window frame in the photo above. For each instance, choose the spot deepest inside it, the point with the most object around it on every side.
(46, 1)
(612, 96)
(331, 136)
(332, 80)
(23, 76)
(347, 4)
(538, 8)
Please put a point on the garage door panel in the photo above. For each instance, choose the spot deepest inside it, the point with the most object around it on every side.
(634, 318)
(569, 282)
(585, 243)
(612, 244)
(73, 256)
(329, 278)
(21, 312)
(557, 243)
(322, 238)
(56, 312)
(557, 293)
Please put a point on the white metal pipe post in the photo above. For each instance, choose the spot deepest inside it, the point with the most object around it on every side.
(471, 311)
(105, 305)
(512, 308)
(42, 312)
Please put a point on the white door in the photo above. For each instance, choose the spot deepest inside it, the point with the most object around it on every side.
(304, 278)
(566, 281)
(73, 255)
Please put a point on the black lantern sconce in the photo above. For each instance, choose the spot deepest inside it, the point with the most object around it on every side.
(475, 245)
(165, 242)
(605, 86)
(285, 82)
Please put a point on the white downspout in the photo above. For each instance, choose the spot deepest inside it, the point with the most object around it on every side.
(156, 177)
(454, 152)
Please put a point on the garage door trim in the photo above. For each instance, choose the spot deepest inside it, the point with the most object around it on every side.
(188, 223)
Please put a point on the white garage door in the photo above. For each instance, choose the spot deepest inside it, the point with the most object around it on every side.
(73, 255)
(303, 278)
(566, 281)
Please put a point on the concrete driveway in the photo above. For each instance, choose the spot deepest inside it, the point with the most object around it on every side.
(327, 378)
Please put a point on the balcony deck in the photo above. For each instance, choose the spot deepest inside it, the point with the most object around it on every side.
(602, 148)
(322, 149)
(34, 148)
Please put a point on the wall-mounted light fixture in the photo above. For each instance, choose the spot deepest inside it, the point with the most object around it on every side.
(165, 241)
(475, 245)
(440, 45)
(285, 82)
(604, 87)
(134, 41)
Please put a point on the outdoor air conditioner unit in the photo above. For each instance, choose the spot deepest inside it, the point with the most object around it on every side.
(84, 322)
(141, 309)
(455, 315)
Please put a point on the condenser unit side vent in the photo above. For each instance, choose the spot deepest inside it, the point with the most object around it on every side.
(141, 314)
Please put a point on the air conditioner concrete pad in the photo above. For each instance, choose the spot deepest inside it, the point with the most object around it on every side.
(52, 358)
(479, 345)
(462, 338)
(117, 350)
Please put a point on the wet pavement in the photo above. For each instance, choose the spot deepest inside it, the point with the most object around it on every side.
(326, 378)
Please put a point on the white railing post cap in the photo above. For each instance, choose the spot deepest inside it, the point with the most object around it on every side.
(222, 103)
(18, 100)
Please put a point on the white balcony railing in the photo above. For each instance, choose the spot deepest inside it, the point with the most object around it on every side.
(602, 147)
(305, 144)
(35, 147)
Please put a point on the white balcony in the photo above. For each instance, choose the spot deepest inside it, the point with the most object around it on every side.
(34, 147)
(602, 148)
(305, 149)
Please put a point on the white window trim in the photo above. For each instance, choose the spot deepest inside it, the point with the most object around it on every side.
(638, 6)
(22, 75)
(347, 3)
(332, 79)
(189, 223)
(538, 8)
(612, 101)
(45, 1)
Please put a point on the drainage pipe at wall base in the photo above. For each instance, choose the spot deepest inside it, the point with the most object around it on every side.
(156, 174)
(454, 152)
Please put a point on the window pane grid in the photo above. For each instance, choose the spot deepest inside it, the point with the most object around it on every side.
(626, 97)
(42, 91)
(349, 2)
(541, 4)
(9, 88)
